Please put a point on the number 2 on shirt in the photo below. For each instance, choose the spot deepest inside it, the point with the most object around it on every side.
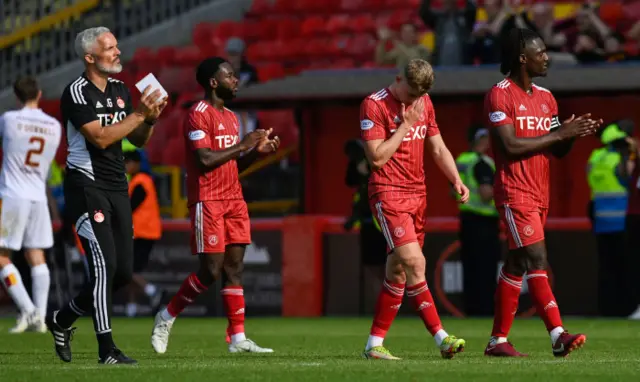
(39, 142)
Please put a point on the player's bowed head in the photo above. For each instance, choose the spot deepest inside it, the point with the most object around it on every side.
(413, 82)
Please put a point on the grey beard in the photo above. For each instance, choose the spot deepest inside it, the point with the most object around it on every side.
(115, 69)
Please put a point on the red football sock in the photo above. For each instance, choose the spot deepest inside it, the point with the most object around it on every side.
(543, 299)
(190, 289)
(422, 300)
(506, 299)
(233, 300)
(387, 306)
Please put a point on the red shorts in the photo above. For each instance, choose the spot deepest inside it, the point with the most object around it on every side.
(525, 224)
(218, 223)
(402, 221)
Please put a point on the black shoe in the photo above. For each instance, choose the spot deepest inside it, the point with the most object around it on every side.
(61, 337)
(115, 356)
(157, 301)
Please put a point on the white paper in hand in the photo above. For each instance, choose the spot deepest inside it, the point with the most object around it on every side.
(150, 79)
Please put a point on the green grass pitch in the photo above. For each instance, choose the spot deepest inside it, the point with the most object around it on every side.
(325, 349)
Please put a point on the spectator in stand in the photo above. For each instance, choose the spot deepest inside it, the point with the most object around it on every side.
(544, 23)
(247, 75)
(501, 18)
(594, 41)
(245, 72)
(452, 28)
(633, 35)
(404, 49)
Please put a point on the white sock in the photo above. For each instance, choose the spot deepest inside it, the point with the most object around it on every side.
(166, 316)
(131, 309)
(238, 337)
(440, 336)
(497, 340)
(13, 283)
(555, 333)
(150, 290)
(40, 282)
(374, 341)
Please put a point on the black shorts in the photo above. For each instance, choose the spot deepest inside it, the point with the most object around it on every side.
(141, 252)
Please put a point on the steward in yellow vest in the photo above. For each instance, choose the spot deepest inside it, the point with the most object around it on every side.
(479, 226)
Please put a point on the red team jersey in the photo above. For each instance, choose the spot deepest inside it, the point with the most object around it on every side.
(523, 181)
(207, 127)
(403, 175)
(397, 191)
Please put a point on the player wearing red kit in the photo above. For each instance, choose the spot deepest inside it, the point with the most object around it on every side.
(526, 131)
(220, 227)
(396, 123)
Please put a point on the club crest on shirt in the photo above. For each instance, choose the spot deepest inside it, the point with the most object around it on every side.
(98, 216)
(544, 107)
(120, 103)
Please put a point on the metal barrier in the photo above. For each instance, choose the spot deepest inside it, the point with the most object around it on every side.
(38, 35)
(171, 188)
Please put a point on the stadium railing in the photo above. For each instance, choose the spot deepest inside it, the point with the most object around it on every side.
(39, 34)
(172, 189)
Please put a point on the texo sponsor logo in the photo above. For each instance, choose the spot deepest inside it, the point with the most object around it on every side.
(226, 141)
(417, 132)
(534, 123)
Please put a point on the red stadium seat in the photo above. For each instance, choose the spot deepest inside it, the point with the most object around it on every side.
(143, 54)
(337, 46)
(251, 30)
(338, 24)
(284, 6)
(289, 50)
(268, 29)
(260, 8)
(363, 5)
(287, 28)
(313, 26)
(263, 51)
(318, 48)
(404, 4)
(189, 56)
(400, 17)
(363, 23)
(228, 29)
(270, 72)
(361, 46)
(315, 6)
(611, 12)
(166, 55)
(202, 33)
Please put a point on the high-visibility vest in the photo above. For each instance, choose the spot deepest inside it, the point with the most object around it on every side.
(358, 223)
(609, 196)
(466, 163)
(147, 223)
(55, 182)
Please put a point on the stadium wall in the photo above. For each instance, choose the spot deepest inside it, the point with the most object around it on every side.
(309, 266)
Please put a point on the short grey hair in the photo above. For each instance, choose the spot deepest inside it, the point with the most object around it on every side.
(86, 39)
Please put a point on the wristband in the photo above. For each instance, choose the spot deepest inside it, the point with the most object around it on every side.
(150, 123)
